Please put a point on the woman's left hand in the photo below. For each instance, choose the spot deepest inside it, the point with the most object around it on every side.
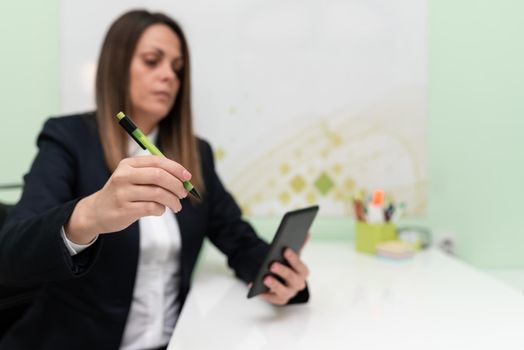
(294, 277)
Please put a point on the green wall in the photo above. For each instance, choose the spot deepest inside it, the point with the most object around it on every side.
(475, 121)
(29, 83)
(476, 124)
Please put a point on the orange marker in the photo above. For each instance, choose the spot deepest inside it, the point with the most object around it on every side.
(376, 208)
(378, 197)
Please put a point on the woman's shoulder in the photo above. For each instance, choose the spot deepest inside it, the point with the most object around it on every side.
(71, 121)
(73, 129)
(203, 145)
(205, 150)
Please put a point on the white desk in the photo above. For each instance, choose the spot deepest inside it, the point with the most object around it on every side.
(357, 302)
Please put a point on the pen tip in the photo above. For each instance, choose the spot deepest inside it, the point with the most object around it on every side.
(195, 193)
(120, 115)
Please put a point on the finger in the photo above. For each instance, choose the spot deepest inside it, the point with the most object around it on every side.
(146, 193)
(141, 209)
(273, 298)
(168, 165)
(278, 288)
(292, 279)
(296, 263)
(158, 177)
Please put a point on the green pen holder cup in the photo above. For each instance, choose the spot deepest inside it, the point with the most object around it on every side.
(367, 236)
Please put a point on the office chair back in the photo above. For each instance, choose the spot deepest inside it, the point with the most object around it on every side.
(13, 301)
(4, 208)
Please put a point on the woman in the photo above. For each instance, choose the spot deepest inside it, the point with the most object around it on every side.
(92, 228)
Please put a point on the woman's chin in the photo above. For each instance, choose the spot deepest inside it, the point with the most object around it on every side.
(159, 111)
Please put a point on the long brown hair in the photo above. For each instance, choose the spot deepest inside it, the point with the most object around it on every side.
(112, 95)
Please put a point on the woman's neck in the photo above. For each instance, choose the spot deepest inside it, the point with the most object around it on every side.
(144, 123)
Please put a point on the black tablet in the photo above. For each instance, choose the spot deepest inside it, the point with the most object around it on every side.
(291, 233)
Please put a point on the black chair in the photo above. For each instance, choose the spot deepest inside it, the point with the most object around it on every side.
(13, 301)
(4, 209)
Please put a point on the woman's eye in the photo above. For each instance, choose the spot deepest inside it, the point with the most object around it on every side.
(178, 68)
(150, 63)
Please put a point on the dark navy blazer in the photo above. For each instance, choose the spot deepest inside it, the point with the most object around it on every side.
(83, 301)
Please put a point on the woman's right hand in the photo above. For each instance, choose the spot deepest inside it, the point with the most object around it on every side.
(139, 186)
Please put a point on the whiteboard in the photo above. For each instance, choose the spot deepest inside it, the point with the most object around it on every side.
(303, 101)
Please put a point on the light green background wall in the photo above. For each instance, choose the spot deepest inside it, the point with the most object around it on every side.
(475, 119)
(29, 81)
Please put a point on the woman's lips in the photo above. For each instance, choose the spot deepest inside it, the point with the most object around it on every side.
(163, 95)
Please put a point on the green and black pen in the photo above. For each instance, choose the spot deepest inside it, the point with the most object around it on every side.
(144, 142)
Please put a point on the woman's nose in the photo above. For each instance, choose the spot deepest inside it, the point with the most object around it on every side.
(167, 72)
